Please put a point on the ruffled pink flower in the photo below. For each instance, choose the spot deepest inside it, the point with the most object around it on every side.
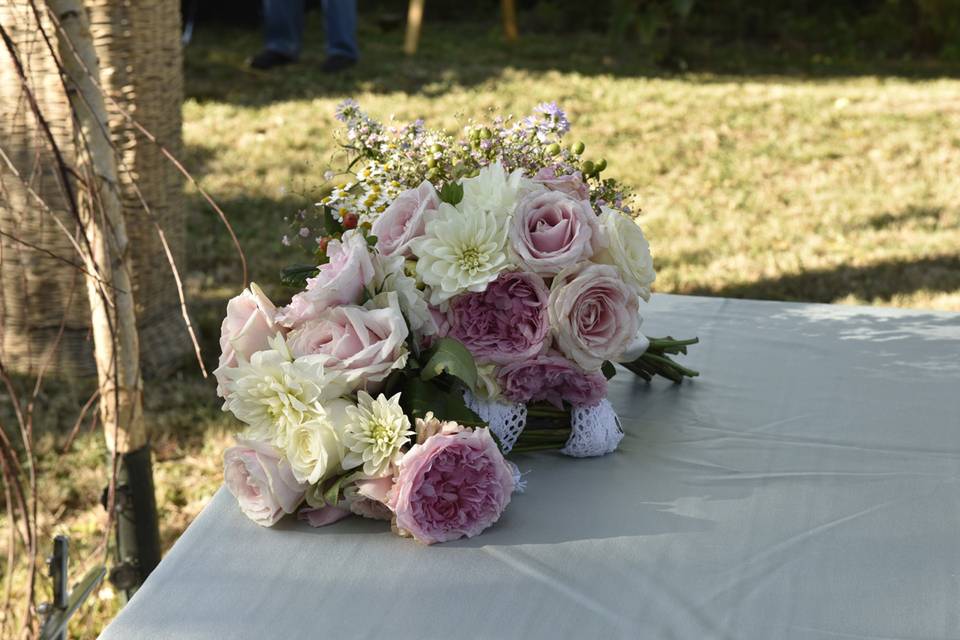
(550, 231)
(340, 281)
(571, 184)
(450, 487)
(261, 481)
(554, 379)
(507, 322)
(405, 219)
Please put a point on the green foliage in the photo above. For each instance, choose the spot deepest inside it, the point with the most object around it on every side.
(452, 193)
(296, 275)
(445, 401)
(451, 357)
(662, 29)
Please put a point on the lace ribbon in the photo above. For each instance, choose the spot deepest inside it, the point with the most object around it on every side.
(505, 420)
(595, 431)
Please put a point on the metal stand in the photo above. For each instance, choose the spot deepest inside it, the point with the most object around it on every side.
(57, 614)
(138, 533)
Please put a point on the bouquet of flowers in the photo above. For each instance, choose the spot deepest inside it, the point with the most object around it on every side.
(468, 299)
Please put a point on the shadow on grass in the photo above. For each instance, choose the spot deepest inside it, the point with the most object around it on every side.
(467, 54)
(912, 216)
(880, 281)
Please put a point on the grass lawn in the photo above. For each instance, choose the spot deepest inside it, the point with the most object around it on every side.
(794, 180)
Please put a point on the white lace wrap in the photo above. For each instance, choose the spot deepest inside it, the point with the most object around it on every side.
(505, 420)
(595, 431)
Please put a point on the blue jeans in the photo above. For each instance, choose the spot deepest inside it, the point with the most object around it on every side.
(283, 27)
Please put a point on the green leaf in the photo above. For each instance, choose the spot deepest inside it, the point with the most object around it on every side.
(296, 275)
(608, 369)
(450, 356)
(419, 396)
(331, 226)
(452, 193)
(331, 494)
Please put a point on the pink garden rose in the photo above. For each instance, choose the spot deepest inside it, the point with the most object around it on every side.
(594, 314)
(405, 219)
(551, 231)
(451, 486)
(505, 323)
(554, 379)
(261, 481)
(250, 322)
(571, 184)
(365, 345)
(322, 516)
(340, 281)
(367, 498)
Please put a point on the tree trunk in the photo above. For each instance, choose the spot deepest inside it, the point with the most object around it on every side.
(138, 46)
(113, 320)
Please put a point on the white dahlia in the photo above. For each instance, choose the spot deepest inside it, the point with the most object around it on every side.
(461, 251)
(376, 431)
(273, 393)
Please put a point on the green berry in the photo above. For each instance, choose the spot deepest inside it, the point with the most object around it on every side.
(578, 148)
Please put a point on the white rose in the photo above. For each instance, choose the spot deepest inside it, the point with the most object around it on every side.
(314, 447)
(623, 245)
(496, 191)
(390, 276)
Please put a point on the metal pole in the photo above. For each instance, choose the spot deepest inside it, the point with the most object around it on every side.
(58, 564)
(138, 532)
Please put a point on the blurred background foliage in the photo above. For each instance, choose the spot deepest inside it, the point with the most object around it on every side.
(678, 32)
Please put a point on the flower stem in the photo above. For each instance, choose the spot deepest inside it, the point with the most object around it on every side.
(656, 360)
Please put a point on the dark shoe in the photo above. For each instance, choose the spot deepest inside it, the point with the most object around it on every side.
(268, 59)
(336, 64)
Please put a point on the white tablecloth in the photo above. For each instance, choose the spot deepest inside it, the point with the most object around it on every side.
(807, 486)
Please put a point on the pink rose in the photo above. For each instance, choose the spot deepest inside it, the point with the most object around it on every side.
(571, 184)
(250, 322)
(365, 345)
(594, 314)
(340, 281)
(505, 323)
(322, 516)
(405, 219)
(551, 230)
(261, 481)
(450, 487)
(367, 498)
(554, 379)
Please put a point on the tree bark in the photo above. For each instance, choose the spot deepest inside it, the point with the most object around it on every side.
(116, 344)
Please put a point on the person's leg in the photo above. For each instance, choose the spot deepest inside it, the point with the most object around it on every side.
(283, 27)
(340, 19)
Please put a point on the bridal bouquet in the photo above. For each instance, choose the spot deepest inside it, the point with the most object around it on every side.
(468, 299)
